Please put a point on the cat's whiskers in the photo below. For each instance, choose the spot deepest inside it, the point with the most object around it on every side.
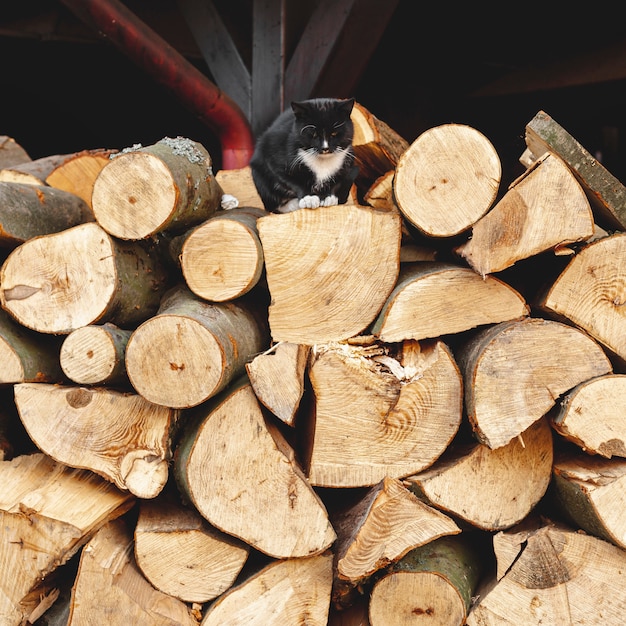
(324, 166)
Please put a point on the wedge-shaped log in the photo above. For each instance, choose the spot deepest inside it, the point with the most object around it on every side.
(291, 591)
(88, 277)
(490, 489)
(434, 299)
(447, 179)
(329, 270)
(381, 416)
(11, 153)
(239, 184)
(513, 374)
(544, 209)
(191, 349)
(145, 190)
(118, 435)
(31, 172)
(110, 588)
(47, 511)
(241, 475)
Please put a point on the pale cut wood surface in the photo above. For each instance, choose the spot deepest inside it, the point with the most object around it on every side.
(239, 183)
(32, 172)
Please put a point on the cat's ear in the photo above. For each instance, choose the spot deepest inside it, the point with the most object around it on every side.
(299, 109)
(346, 105)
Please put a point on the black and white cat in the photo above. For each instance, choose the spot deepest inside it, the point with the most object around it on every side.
(305, 158)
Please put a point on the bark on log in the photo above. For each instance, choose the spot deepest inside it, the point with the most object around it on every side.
(506, 484)
(120, 436)
(512, 377)
(191, 349)
(239, 183)
(545, 209)
(88, 277)
(31, 172)
(241, 475)
(11, 153)
(329, 282)
(447, 179)
(47, 511)
(167, 186)
(407, 409)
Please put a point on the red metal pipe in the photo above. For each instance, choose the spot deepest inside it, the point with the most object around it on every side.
(168, 67)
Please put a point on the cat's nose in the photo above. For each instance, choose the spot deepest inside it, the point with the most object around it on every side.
(325, 147)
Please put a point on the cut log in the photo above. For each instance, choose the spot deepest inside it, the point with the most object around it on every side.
(292, 591)
(191, 349)
(590, 292)
(110, 588)
(432, 584)
(181, 555)
(544, 209)
(419, 306)
(277, 377)
(119, 436)
(31, 172)
(222, 259)
(513, 377)
(11, 153)
(447, 179)
(381, 416)
(95, 355)
(606, 194)
(242, 477)
(47, 512)
(330, 280)
(591, 491)
(28, 211)
(88, 277)
(505, 484)
(239, 183)
(146, 190)
(558, 576)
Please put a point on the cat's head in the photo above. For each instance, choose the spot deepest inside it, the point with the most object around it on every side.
(324, 124)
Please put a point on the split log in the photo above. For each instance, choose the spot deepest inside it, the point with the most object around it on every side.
(181, 555)
(381, 416)
(31, 172)
(191, 349)
(88, 277)
(239, 183)
(512, 377)
(447, 179)
(28, 211)
(591, 491)
(544, 209)
(145, 190)
(291, 591)
(277, 377)
(505, 484)
(110, 589)
(554, 576)
(11, 153)
(329, 270)
(95, 355)
(241, 475)
(47, 512)
(419, 306)
(434, 584)
(117, 435)
(590, 293)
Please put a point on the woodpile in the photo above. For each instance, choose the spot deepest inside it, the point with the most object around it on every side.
(404, 409)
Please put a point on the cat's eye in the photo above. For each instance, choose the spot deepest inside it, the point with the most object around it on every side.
(334, 133)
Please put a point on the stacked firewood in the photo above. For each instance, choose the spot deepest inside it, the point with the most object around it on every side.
(402, 409)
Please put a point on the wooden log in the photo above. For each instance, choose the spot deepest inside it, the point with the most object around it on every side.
(191, 349)
(447, 180)
(490, 489)
(433, 584)
(513, 377)
(118, 435)
(47, 511)
(330, 281)
(419, 306)
(291, 591)
(95, 355)
(11, 152)
(555, 576)
(239, 183)
(181, 555)
(88, 277)
(381, 416)
(145, 190)
(241, 475)
(31, 172)
(544, 209)
(110, 588)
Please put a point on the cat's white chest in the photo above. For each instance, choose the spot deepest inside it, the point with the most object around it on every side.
(324, 166)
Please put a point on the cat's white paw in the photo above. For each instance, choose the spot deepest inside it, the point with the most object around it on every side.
(229, 202)
(309, 202)
(329, 201)
(288, 207)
